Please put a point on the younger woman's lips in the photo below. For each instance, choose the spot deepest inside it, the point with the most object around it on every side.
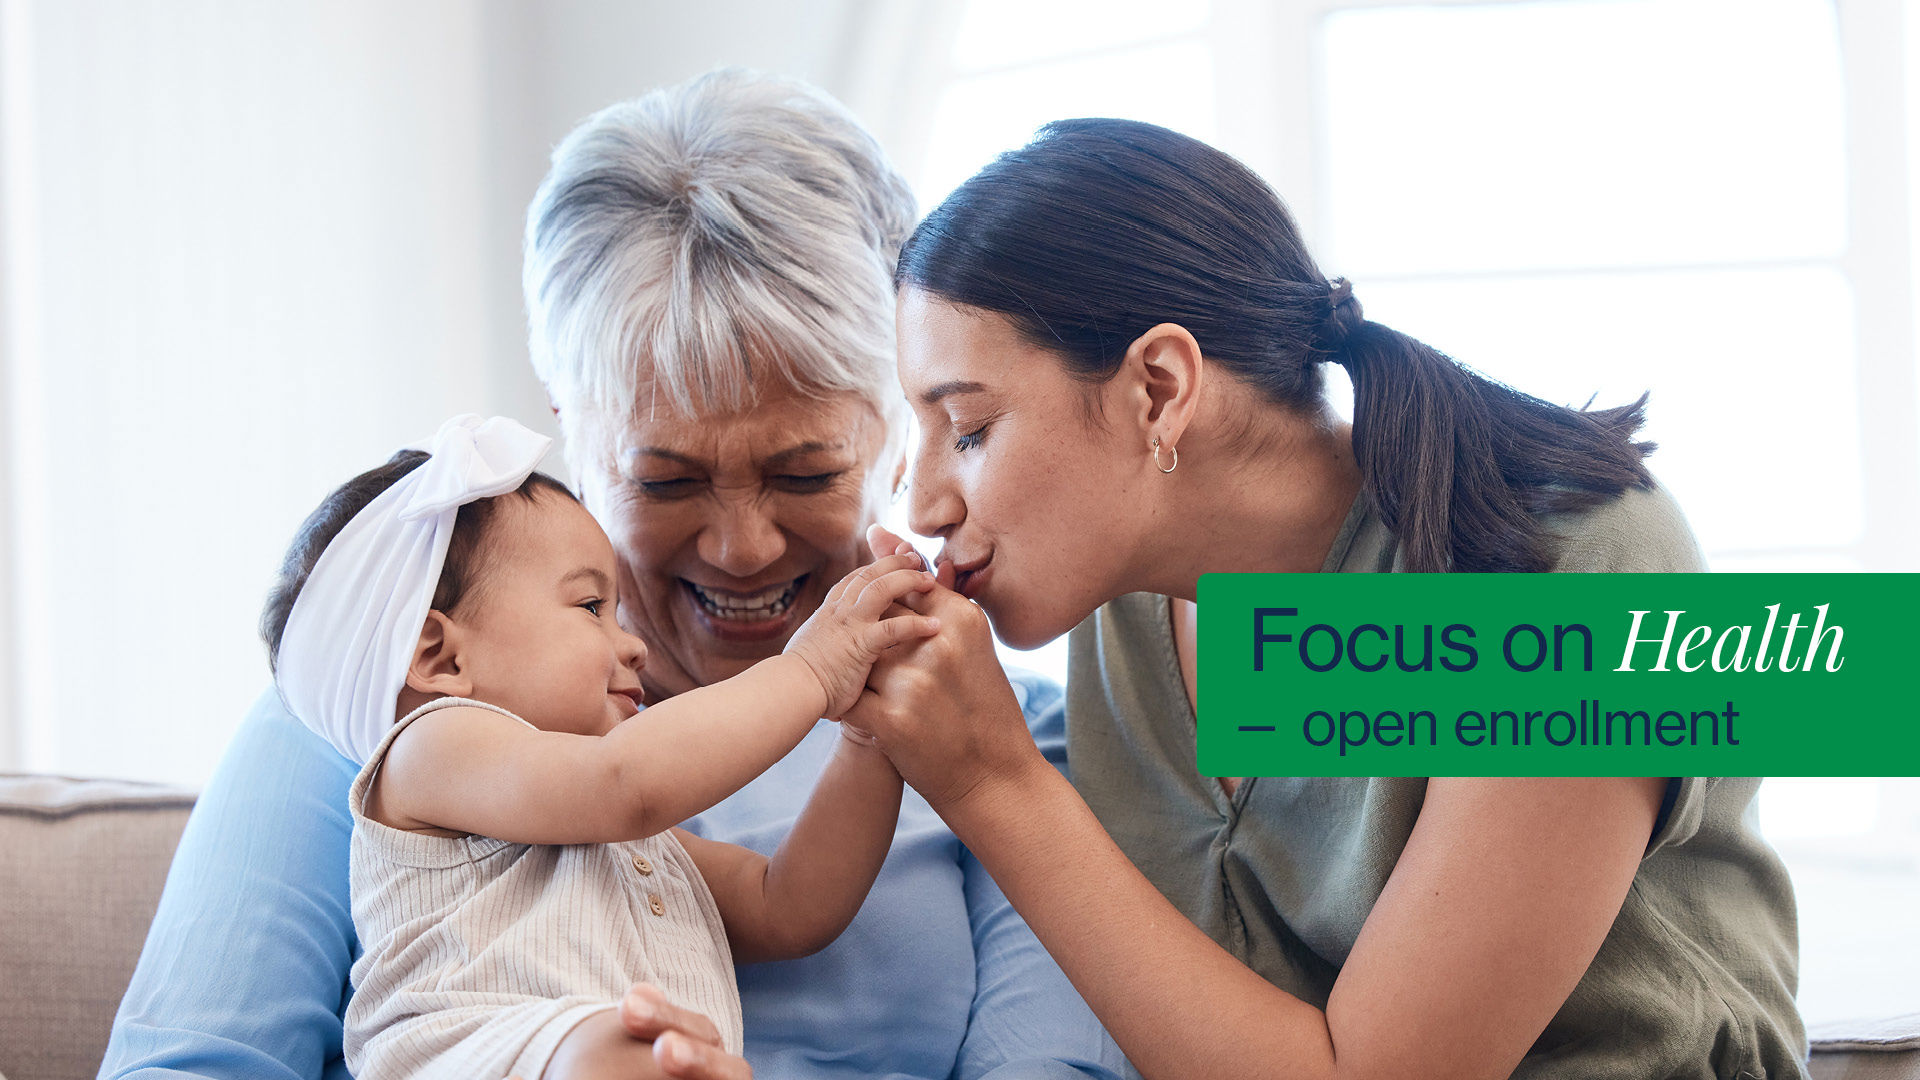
(969, 582)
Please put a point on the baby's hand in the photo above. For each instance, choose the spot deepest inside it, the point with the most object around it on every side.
(841, 640)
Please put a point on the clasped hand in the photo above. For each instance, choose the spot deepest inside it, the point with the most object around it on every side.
(941, 707)
(860, 619)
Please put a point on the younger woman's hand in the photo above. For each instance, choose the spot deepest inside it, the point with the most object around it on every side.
(858, 621)
(942, 709)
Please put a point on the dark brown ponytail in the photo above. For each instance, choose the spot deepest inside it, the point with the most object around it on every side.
(1100, 229)
(1458, 464)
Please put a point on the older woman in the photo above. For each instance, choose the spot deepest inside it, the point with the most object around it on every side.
(708, 279)
(1114, 340)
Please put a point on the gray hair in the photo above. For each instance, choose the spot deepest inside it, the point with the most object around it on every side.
(709, 236)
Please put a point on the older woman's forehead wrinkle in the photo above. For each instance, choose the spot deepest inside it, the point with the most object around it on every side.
(779, 431)
(775, 459)
(662, 452)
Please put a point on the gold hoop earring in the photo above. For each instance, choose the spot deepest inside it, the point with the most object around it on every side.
(1156, 456)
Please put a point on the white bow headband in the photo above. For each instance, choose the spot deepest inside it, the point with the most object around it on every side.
(350, 637)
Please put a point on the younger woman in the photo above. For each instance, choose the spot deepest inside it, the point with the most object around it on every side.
(1115, 342)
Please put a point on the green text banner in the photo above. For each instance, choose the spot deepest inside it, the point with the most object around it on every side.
(1558, 675)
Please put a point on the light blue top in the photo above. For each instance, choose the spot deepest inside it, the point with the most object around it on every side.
(244, 973)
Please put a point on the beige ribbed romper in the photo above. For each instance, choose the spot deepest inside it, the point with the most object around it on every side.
(480, 955)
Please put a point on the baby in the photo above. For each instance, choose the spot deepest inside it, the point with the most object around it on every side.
(449, 622)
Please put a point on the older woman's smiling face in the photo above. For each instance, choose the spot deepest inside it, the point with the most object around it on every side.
(730, 529)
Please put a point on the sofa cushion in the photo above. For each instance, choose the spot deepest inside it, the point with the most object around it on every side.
(1886, 1049)
(85, 862)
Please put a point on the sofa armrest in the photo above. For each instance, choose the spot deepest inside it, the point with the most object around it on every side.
(1886, 1049)
(85, 863)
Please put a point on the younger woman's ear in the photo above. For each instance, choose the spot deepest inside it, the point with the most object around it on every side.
(436, 668)
(1170, 370)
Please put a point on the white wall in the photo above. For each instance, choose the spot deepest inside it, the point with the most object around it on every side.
(249, 250)
(254, 238)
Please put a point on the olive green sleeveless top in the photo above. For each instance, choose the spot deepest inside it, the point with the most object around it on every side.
(1696, 978)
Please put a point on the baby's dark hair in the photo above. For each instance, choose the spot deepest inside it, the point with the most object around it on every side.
(325, 523)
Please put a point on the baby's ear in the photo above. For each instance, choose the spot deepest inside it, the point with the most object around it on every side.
(436, 667)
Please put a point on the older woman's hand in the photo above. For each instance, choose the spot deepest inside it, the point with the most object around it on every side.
(941, 708)
(686, 1045)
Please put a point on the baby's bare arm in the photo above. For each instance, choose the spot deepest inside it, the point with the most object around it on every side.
(798, 901)
(475, 771)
